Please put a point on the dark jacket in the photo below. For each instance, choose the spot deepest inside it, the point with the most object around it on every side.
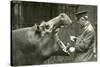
(85, 46)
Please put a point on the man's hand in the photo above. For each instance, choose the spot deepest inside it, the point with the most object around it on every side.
(73, 38)
(72, 49)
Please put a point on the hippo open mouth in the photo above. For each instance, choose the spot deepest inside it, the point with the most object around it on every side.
(62, 25)
(55, 24)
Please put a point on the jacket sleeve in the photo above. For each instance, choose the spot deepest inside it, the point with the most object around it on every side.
(84, 42)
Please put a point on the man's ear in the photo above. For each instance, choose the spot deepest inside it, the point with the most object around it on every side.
(82, 18)
(86, 17)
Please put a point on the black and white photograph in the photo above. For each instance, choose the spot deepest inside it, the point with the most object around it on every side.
(52, 33)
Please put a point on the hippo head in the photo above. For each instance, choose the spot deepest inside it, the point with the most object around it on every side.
(55, 24)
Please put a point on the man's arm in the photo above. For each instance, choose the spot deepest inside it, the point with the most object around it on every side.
(83, 43)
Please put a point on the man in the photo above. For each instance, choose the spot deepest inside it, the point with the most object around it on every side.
(85, 44)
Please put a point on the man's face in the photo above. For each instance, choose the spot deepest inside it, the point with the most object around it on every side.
(82, 21)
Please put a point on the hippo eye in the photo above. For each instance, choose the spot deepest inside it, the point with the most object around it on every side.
(47, 26)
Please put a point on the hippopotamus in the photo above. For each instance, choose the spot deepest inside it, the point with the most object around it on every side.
(33, 45)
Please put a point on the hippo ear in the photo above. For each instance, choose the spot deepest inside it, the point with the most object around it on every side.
(62, 15)
(42, 23)
(35, 27)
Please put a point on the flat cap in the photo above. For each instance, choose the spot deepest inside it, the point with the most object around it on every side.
(81, 13)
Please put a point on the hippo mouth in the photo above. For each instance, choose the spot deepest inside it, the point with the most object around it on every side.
(61, 26)
(58, 29)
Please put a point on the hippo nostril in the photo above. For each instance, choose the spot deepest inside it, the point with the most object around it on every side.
(47, 26)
